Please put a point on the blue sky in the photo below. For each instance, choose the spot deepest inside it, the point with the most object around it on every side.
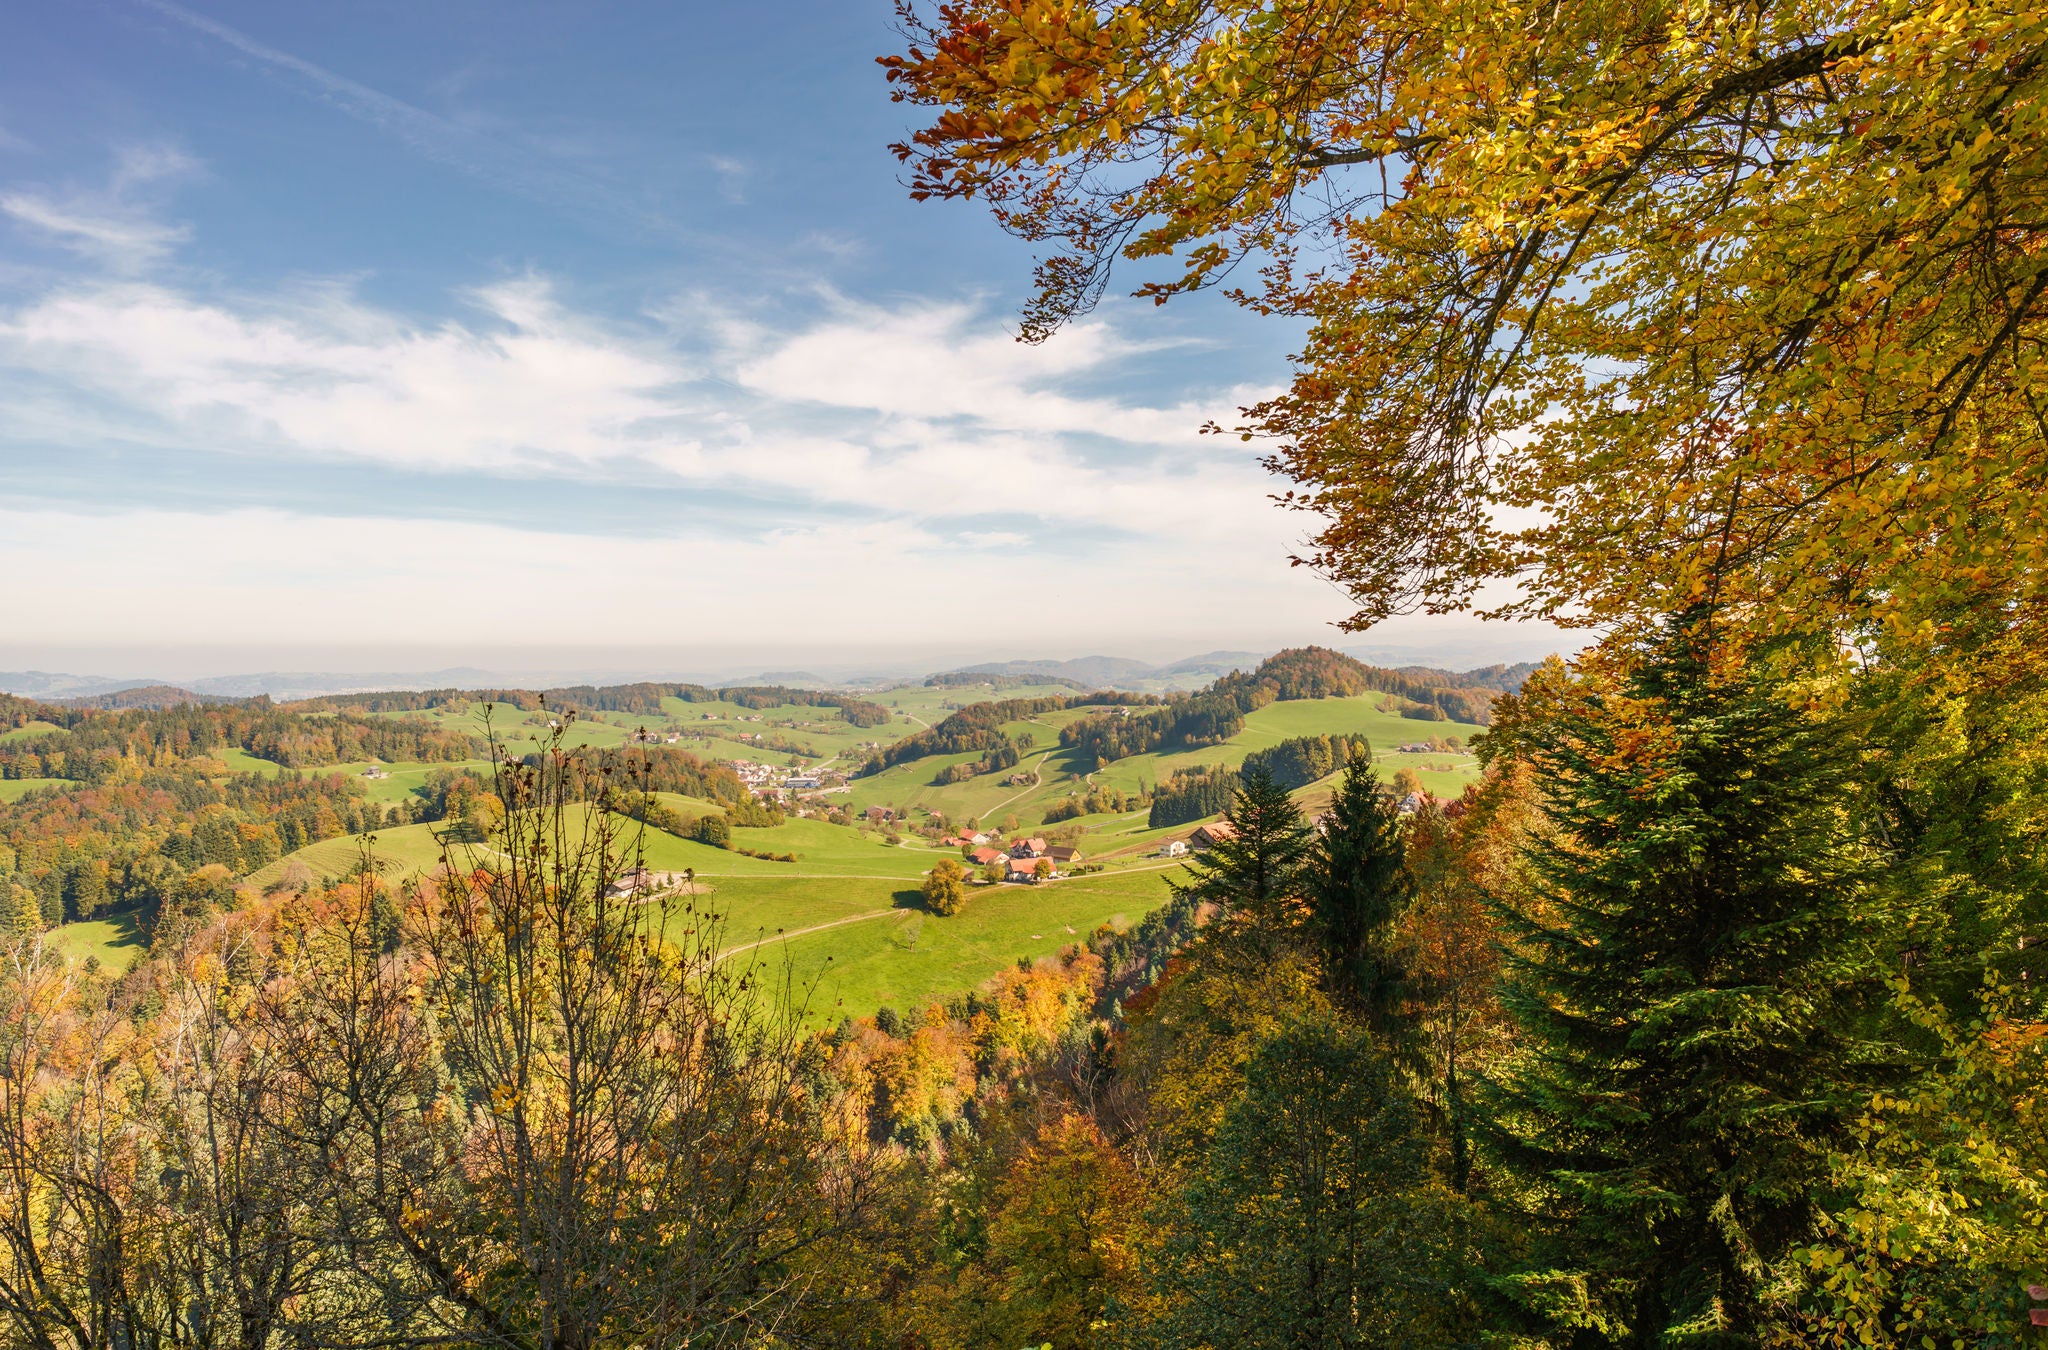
(423, 329)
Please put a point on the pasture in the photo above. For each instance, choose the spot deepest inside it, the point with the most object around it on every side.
(14, 789)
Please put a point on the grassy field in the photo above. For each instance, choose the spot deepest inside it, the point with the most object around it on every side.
(28, 731)
(401, 780)
(14, 789)
(847, 912)
(985, 798)
(115, 940)
(906, 958)
(399, 852)
(239, 760)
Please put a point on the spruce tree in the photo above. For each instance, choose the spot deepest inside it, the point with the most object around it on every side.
(1356, 884)
(1687, 977)
(1253, 878)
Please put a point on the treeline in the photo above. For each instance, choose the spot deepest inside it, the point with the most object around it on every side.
(1002, 755)
(1191, 794)
(979, 727)
(640, 700)
(1180, 724)
(145, 804)
(1301, 760)
(1098, 800)
(968, 679)
(86, 849)
(1318, 672)
(91, 747)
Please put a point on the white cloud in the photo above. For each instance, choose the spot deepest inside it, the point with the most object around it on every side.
(947, 360)
(928, 412)
(108, 224)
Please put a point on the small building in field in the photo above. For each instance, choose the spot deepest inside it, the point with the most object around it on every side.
(985, 855)
(878, 814)
(633, 881)
(974, 836)
(1028, 848)
(1215, 832)
(1174, 848)
(1062, 853)
(1025, 869)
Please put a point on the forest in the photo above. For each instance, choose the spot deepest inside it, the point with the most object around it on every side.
(1717, 334)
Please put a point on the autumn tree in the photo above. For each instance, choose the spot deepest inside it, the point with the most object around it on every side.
(945, 887)
(1637, 305)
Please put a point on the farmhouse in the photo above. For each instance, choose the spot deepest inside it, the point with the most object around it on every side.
(1033, 847)
(633, 881)
(1062, 853)
(1212, 834)
(1025, 869)
(984, 855)
(878, 814)
(1174, 848)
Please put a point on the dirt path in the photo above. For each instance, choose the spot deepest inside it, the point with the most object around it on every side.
(814, 928)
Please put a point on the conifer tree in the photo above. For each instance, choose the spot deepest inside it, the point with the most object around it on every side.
(1252, 878)
(1356, 883)
(1687, 976)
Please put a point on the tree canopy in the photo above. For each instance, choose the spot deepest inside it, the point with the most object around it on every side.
(1638, 303)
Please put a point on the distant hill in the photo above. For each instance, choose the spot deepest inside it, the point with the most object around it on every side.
(151, 696)
(47, 684)
(1094, 672)
(785, 679)
(1507, 679)
(993, 680)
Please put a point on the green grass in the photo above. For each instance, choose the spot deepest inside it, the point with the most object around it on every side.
(115, 940)
(402, 780)
(28, 731)
(984, 798)
(869, 940)
(400, 852)
(14, 789)
(239, 760)
(908, 958)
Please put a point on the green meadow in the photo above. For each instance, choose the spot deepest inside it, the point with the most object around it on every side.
(847, 914)
(14, 789)
(115, 940)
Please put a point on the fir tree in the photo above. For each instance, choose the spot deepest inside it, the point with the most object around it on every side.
(1252, 878)
(1356, 883)
(1687, 977)
(1313, 1220)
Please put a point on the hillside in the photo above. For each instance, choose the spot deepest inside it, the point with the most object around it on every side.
(297, 783)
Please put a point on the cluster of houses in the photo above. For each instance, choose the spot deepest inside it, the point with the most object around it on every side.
(1020, 859)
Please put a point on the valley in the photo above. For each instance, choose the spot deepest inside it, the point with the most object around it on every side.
(844, 911)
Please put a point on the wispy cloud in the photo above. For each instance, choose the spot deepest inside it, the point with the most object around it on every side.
(113, 223)
(515, 170)
(921, 413)
(732, 178)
